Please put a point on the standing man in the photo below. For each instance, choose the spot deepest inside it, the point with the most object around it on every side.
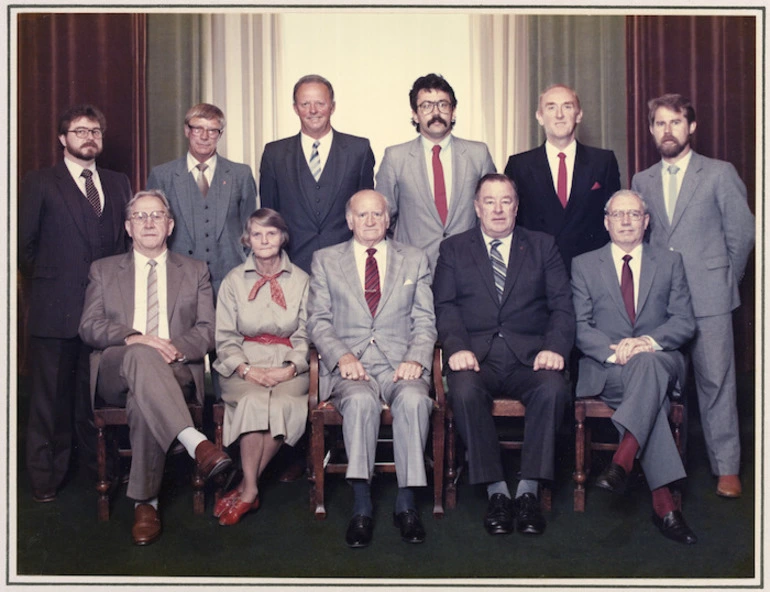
(563, 184)
(370, 314)
(210, 196)
(634, 313)
(506, 324)
(429, 181)
(698, 207)
(69, 215)
(149, 315)
(309, 177)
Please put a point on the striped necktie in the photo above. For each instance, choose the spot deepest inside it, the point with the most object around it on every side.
(92, 195)
(153, 308)
(315, 161)
(498, 266)
(372, 281)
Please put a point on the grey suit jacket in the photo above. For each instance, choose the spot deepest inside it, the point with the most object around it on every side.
(403, 180)
(339, 320)
(234, 192)
(108, 314)
(712, 228)
(664, 310)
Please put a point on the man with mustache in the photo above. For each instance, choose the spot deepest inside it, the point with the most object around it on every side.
(430, 181)
(69, 215)
(698, 207)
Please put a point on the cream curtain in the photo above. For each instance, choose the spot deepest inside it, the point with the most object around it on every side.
(500, 84)
(241, 57)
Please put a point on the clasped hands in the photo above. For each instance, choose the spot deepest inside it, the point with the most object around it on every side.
(269, 377)
(466, 360)
(629, 347)
(351, 368)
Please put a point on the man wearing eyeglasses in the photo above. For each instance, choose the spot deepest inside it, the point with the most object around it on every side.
(430, 181)
(69, 215)
(211, 197)
(634, 314)
(149, 315)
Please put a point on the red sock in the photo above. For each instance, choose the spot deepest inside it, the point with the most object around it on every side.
(662, 501)
(626, 452)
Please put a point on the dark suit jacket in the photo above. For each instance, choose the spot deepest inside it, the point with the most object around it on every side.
(536, 310)
(54, 252)
(108, 314)
(579, 227)
(312, 226)
(664, 310)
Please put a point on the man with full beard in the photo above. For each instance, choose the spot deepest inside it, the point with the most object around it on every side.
(430, 182)
(69, 215)
(698, 207)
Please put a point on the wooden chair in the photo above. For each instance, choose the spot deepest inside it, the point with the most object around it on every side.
(323, 459)
(593, 408)
(501, 407)
(109, 417)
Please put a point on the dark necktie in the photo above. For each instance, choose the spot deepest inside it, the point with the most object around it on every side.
(498, 266)
(92, 195)
(627, 288)
(439, 188)
(315, 161)
(203, 184)
(372, 281)
(153, 308)
(561, 180)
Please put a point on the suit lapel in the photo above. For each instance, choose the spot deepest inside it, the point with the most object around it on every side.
(581, 178)
(480, 256)
(184, 184)
(72, 195)
(515, 260)
(221, 192)
(349, 273)
(126, 286)
(647, 273)
(656, 198)
(688, 188)
(174, 277)
(541, 171)
(118, 215)
(459, 173)
(416, 169)
(392, 275)
(297, 167)
(335, 164)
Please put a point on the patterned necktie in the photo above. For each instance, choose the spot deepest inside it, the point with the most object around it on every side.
(498, 267)
(203, 184)
(439, 187)
(92, 195)
(276, 293)
(372, 281)
(627, 288)
(315, 161)
(673, 190)
(153, 309)
(561, 180)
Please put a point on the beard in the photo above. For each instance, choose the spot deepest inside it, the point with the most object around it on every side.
(672, 149)
(87, 151)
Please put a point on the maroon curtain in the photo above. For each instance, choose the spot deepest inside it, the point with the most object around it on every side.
(712, 61)
(65, 59)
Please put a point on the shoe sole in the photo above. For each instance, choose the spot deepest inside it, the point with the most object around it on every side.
(218, 468)
(728, 494)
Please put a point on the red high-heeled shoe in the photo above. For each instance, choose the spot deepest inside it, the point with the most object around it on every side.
(234, 513)
(226, 501)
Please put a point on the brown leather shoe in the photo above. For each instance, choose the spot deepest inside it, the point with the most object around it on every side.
(211, 460)
(729, 486)
(146, 527)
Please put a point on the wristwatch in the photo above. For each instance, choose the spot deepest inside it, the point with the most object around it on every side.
(246, 369)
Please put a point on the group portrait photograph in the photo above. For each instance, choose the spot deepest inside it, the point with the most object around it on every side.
(403, 296)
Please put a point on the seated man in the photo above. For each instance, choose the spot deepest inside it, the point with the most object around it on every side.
(370, 315)
(506, 325)
(149, 315)
(633, 313)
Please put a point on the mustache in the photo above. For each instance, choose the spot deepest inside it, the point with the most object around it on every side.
(669, 138)
(91, 144)
(437, 119)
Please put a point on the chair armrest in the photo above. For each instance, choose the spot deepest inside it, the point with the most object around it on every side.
(312, 395)
(438, 378)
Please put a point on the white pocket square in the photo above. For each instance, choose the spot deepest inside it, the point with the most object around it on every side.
(408, 282)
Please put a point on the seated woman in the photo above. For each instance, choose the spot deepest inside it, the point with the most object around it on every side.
(262, 352)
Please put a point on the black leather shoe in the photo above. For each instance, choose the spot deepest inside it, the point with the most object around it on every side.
(499, 518)
(529, 518)
(673, 526)
(359, 532)
(411, 528)
(614, 478)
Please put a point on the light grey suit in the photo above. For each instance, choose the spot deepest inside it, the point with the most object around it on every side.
(136, 376)
(403, 329)
(637, 390)
(713, 229)
(403, 180)
(233, 194)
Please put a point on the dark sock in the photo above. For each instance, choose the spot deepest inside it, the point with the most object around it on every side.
(626, 452)
(362, 498)
(662, 501)
(405, 500)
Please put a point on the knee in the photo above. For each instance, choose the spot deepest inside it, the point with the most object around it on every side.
(140, 355)
(466, 389)
(361, 404)
(552, 386)
(414, 401)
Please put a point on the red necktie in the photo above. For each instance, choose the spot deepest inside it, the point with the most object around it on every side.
(439, 189)
(627, 288)
(372, 281)
(276, 293)
(561, 180)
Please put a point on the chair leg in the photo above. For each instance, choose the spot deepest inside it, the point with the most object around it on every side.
(450, 478)
(102, 484)
(438, 464)
(199, 500)
(579, 495)
(317, 456)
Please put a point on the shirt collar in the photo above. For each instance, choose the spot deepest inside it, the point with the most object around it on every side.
(427, 145)
(553, 152)
(326, 139)
(141, 260)
(618, 253)
(192, 162)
